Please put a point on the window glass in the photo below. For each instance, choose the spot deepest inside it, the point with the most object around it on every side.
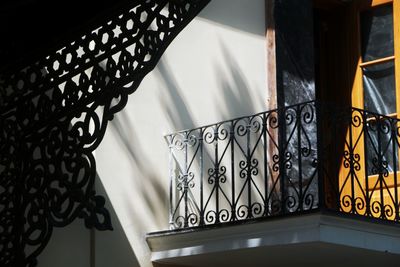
(379, 147)
(379, 88)
(377, 33)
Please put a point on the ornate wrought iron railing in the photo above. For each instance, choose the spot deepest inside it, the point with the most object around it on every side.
(291, 160)
(359, 162)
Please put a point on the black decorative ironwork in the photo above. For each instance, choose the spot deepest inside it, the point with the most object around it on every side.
(361, 162)
(55, 113)
(286, 161)
(238, 169)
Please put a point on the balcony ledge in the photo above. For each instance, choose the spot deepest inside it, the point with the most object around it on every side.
(307, 239)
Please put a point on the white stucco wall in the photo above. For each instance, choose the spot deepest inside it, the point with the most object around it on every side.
(214, 70)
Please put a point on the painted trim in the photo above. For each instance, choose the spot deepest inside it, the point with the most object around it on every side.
(271, 55)
(320, 228)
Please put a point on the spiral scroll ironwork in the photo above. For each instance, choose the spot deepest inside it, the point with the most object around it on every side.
(300, 158)
(364, 146)
(55, 113)
(242, 171)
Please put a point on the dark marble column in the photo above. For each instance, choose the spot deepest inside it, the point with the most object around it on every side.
(294, 51)
(296, 84)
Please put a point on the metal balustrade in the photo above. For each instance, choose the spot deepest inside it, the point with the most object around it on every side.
(285, 161)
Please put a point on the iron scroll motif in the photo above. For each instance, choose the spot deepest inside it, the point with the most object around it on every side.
(54, 113)
(238, 170)
(303, 158)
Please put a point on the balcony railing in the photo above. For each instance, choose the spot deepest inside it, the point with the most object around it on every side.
(291, 160)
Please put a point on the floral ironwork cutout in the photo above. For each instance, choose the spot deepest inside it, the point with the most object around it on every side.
(54, 114)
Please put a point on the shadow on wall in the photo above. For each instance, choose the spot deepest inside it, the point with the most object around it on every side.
(112, 248)
(236, 90)
(234, 100)
(178, 114)
(233, 15)
(146, 183)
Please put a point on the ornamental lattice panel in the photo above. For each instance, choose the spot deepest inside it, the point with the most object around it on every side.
(54, 113)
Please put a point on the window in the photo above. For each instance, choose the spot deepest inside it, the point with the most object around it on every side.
(376, 40)
(358, 64)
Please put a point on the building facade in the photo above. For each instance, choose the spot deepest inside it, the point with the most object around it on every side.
(306, 174)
